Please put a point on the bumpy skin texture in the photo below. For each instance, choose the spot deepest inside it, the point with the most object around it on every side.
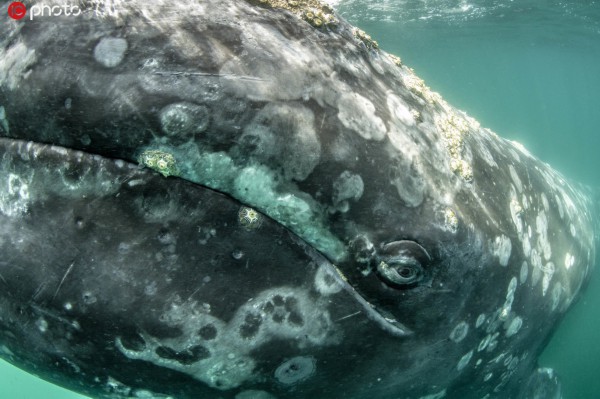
(326, 136)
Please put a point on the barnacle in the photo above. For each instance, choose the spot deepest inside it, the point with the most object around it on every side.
(249, 218)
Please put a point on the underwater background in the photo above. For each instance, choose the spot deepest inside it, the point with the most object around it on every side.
(527, 69)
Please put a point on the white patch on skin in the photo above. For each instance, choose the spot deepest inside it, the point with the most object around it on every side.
(515, 212)
(569, 261)
(541, 223)
(400, 110)
(526, 246)
(462, 363)
(556, 294)
(524, 272)
(225, 361)
(14, 194)
(525, 202)
(110, 51)
(295, 370)
(42, 325)
(515, 178)
(441, 394)
(145, 394)
(484, 343)
(348, 186)
(5, 351)
(514, 326)
(545, 202)
(460, 332)
(510, 297)
(572, 230)
(536, 266)
(326, 281)
(493, 342)
(358, 113)
(559, 204)
(502, 247)
(480, 320)
(487, 156)
(117, 387)
(548, 270)
(3, 121)
(15, 63)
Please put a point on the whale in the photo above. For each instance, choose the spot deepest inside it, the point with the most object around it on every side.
(249, 199)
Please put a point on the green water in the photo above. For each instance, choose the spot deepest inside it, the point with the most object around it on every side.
(529, 70)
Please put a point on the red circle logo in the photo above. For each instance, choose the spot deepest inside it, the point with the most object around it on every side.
(16, 10)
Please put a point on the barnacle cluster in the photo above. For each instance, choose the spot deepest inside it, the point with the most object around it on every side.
(160, 161)
(454, 129)
(395, 59)
(314, 12)
(366, 39)
(417, 86)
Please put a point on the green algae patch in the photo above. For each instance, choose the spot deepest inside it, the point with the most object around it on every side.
(257, 186)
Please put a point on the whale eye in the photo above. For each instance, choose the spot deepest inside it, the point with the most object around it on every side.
(401, 264)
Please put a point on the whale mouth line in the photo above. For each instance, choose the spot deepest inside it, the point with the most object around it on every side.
(386, 322)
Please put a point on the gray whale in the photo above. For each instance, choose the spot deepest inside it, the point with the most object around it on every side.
(249, 199)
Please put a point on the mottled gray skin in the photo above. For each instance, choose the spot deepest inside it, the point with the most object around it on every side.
(112, 274)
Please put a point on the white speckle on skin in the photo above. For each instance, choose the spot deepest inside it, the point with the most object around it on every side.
(110, 51)
(460, 332)
(42, 325)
